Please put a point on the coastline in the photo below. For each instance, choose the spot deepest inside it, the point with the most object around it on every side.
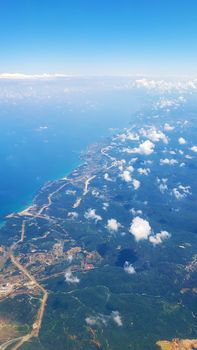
(29, 202)
(54, 204)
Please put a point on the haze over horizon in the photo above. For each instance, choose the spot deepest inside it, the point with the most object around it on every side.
(98, 168)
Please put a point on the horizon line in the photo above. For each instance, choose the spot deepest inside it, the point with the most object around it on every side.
(48, 76)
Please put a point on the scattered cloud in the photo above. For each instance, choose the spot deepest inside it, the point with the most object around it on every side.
(136, 184)
(166, 85)
(107, 177)
(73, 215)
(194, 149)
(133, 160)
(136, 212)
(116, 317)
(182, 141)
(105, 206)
(166, 103)
(91, 321)
(126, 176)
(102, 320)
(97, 320)
(168, 127)
(181, 191)
(187, 156)
(154, 135)
(168, 161)
(140, 228)
(159, 237)
(143, 171)
(90, 214)
(113, 225)
(129, 268)
(70, 278)
(130, 136)
(145, 148)
(130, 168)
(162, 184)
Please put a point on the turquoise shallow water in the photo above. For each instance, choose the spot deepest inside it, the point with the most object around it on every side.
(42, 141)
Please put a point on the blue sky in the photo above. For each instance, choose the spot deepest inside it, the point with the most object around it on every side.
(151, 37)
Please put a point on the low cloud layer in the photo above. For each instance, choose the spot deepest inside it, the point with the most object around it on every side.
(20, 76)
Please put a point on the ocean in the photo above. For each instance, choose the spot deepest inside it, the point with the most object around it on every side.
(41, 138)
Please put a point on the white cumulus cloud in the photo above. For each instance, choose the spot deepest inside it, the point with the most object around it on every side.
(102, 320)
(159, 237)
(136, 184)
(126, 176)
(162, 184)
(168, 161)
(97, 320)
(140, 228)
(182, 141)
(116, 317)
(194, 148)
(90, 214)
(143, 171)
(168, 127)
(73, 215)
(129, 268)
(70, 278)
(136, 211)
(105, 206)
(181, 191)
(113, 225)
(107, 177)
(145, 148)
(154, 135)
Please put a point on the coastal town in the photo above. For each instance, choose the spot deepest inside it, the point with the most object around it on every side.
(81, 226)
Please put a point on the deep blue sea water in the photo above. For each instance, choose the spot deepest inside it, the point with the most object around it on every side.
(41, 140)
